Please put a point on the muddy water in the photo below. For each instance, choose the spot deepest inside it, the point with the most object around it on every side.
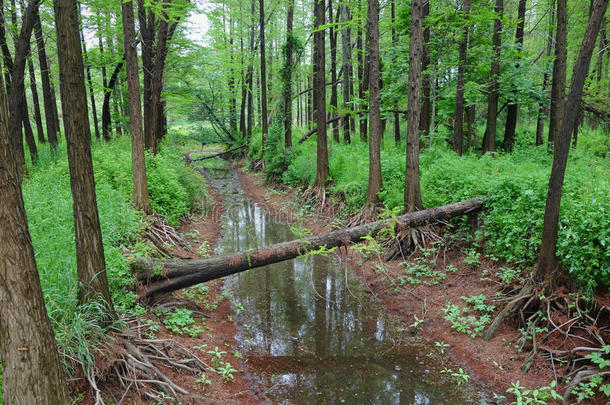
(312, 334)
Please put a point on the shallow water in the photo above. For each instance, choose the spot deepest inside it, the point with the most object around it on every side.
(311, 333)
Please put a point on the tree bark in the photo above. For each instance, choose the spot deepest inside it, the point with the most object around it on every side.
(141, 198)
(90, 263)
(146, 20)
(90, 84)
(185, 273)
(458, 124)
(558, 99)
(394, 44)
(362, 83)
(489, 140)
(32, 372)
(287, 76)
(412, 199)
(375, 132)
(265, 124)
(543, 111)
(513, 107)
(547, 263)
(250, 73)
(35, 99)
(47, 96)
(426, 108)
(319, 94)
(332, 34)
(106, 119)
(347, 85)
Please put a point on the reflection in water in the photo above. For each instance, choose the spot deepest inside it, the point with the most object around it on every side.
(310, 332)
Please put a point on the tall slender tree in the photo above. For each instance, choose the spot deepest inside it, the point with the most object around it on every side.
(412, 200)
(394, 44)
(90, 262)
(263, 76)
(332, 35)
(513, 106)
(375, 132)
(558, 86)
(426, 104)
(47, 96)
(489, 140)
(287, 75)
(458, 120)
(347, 86)
(547, 263)
(542, 108)
(319, 93)
(141, 198)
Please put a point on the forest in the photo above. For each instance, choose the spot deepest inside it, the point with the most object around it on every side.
(305, 201)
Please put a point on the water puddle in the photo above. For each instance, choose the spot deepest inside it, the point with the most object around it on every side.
(310, 332)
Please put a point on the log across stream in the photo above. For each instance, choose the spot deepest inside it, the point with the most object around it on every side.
(311, 333)
(180, 274)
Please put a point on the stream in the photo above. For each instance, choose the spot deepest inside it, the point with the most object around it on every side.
(312, 334)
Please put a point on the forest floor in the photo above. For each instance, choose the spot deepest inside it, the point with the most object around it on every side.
(495, 365)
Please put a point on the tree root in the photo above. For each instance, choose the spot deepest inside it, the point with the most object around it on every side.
(525, 293)
(164, 236)
(138, 366)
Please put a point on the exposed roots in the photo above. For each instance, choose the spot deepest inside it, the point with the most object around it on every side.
(164, 237)
(407, 240)
(139, 364)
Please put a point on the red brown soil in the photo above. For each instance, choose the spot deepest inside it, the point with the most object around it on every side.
(219, 332)
(476, 356)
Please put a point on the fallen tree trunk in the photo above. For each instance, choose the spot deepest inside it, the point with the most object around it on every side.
(313, 131)
(214, 155)
(178, 274)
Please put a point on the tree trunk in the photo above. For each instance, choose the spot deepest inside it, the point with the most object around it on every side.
(542, 109)
(106, 119)
(319, 94)
(185, 273)
(287, 76)
(362, 86)
(513, 107)
(90, 263)
(146, 20)
(47, 96)
(141, 198)
(426, 108)
(559, 73)
(547, 263)
(263, 73)
(489, 140)
(31, 370)
(347, 85)
(27, 130)
(157, 84)
(412, 199)
(90, 84)
(250, 73)
(35, 99)
(16, 83)
(375, 134)
(394, 44)
(458, 124)
(332, 34)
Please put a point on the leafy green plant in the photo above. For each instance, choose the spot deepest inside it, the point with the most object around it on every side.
(180, 321)
(463, 320)
(226, 371)
(538, 395)
(460, 376)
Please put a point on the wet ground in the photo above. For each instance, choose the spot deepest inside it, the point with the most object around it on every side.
(311, 333)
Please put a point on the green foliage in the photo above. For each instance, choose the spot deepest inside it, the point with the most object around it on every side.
(463, 320)
(181, 322)
(277, 157)
(538, 395)
(172, 186)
